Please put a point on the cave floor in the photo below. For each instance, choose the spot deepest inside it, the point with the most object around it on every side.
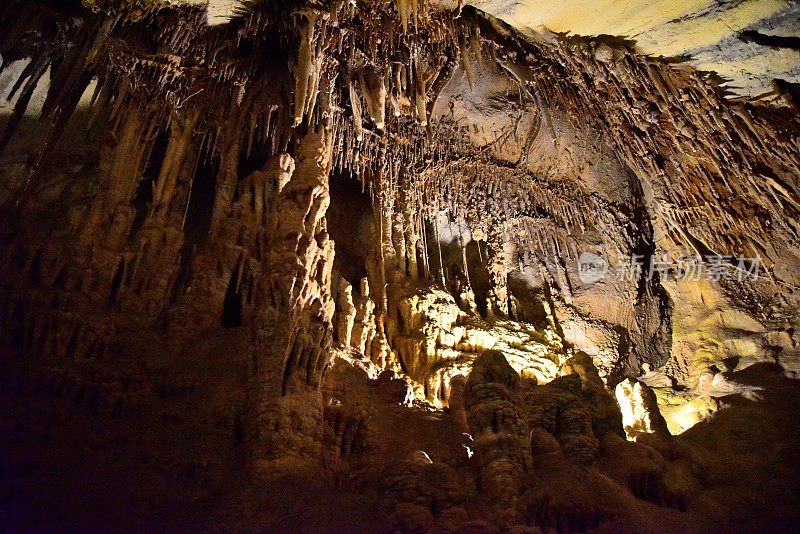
(73, 457)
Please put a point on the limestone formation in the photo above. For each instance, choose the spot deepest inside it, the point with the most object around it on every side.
(393, 266)
(492, 400)
(639, 407)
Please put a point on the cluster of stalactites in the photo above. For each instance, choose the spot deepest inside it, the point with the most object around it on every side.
(718, 170)
(356, 71)
(387, 70)
(95, 48)
(360, 71)
(524, 209)
(408, 10)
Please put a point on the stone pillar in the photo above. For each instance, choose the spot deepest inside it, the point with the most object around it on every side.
(497, 247)
(491, 400)
(293, 320)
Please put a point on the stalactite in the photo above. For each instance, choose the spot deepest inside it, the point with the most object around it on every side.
(408, 11)
(374, 90)
(309, 63)
(355, 106)
(468, 66)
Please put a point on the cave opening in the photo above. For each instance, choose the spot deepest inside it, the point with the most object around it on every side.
(478, 275)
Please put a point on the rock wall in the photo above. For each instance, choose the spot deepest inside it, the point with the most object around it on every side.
(461, 365)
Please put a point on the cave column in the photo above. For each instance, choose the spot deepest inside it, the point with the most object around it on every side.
(229, 144)
(497, 252)
(386, 250)
(159, 240)
(387, 273)
(179, 150)
(293, 318)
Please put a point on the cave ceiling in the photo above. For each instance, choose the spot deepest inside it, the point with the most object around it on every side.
(749, 44)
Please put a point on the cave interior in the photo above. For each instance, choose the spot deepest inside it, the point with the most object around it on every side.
(395, 266)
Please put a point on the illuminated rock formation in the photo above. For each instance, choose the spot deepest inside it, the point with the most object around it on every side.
(388, 265)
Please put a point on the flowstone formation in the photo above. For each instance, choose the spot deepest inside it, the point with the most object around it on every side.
(387, 266)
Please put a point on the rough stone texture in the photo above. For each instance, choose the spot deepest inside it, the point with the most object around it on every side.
(293, 324)
(492, 400)
(181, 348)
(716, 36)
(639, 407)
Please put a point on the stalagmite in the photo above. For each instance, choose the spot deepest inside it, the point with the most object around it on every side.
(640, 413)
(297, 280)
(364, 326)
(346, 312)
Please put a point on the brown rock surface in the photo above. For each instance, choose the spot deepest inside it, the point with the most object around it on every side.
(388, 266)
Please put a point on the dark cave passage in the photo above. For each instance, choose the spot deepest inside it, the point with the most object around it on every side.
(197, 221)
